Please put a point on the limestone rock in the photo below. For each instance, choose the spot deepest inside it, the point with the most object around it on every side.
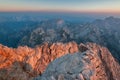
(92, 63)
(70, 62)
(24, 63)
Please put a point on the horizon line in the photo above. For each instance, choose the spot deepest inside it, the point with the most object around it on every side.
(73, 12)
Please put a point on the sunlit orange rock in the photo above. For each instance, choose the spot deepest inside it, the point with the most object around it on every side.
(24, 63)
(93, 62)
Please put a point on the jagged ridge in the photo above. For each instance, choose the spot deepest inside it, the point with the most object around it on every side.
(93, 63)
(24, 63)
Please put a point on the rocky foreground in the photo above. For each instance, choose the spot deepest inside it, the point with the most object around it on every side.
(68, 61)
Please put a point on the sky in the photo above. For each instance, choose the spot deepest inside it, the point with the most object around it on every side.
(96, 6)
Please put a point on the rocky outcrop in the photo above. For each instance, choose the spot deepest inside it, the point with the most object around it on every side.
(24, 63)
(75, 62)
(93, 63)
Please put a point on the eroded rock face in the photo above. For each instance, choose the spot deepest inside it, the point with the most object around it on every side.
(92, 63)
(24, 63)
(85, 62)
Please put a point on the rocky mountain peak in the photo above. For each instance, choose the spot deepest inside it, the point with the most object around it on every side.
(92, 63)
(68, 61)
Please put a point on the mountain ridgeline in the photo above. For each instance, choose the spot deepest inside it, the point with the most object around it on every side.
(58, 61)
(58, 49)
(105, 32)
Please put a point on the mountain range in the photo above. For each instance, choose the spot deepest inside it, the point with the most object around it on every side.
(104, 32)
(58, 49)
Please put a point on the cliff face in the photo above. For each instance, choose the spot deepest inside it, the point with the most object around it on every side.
(86, 61)
(24, 63)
